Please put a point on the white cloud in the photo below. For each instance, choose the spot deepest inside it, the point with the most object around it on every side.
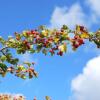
(86, 86)
(75, 15)
(94, 6)
(69, 16)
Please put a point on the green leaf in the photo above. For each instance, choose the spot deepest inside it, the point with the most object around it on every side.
(44, 51)
(65, 27)
(27, 63)
(3, 58)
(13, 61)
(23, 76)
(3, 67)
(31, 51)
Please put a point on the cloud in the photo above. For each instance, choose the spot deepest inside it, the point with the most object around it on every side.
(94, 8)
(86, 86)
(94, 5)
(75, 14)
(69, 16)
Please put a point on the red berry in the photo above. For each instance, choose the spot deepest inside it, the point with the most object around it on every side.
(35, 98)
(81, 41)
(75, 45)
(51, 51)
(62, 30)
(25, 41)
(76, 37)
(57, 33)
(17, 38)
(44, 44)
(82, 28)
(60, 53)
(28, 46)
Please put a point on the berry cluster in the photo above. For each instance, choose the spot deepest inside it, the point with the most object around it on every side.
(77, 42)
(11, 97)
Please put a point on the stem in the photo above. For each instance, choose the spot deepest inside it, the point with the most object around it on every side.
(3, 48)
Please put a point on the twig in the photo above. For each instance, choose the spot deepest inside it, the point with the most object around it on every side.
(3, 48)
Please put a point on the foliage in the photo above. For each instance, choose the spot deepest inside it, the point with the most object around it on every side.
(17, 97)
(11, 97)
(47, 41)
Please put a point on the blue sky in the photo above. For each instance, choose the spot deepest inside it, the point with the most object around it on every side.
(55, 73)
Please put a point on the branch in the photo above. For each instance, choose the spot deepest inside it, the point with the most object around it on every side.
(3, 48)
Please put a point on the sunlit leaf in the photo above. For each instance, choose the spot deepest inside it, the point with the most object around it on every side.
(84, 35)
(47, 98)
(63, 47)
